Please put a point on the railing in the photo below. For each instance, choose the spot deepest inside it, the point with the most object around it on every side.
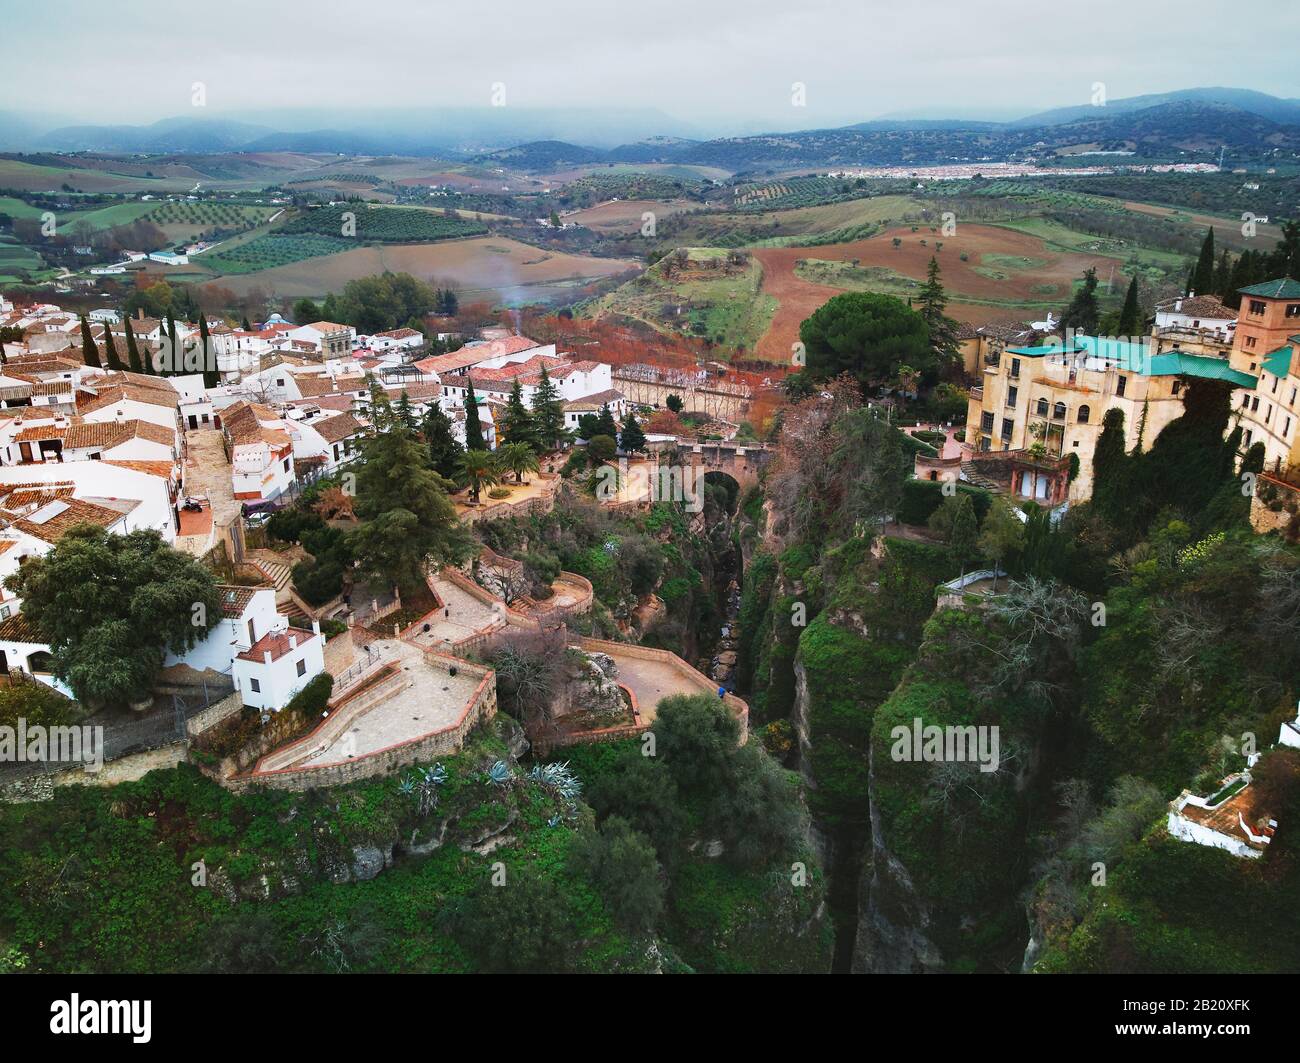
(363, 669)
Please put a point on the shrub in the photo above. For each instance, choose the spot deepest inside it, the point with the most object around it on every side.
(922, 497)
(313, 698)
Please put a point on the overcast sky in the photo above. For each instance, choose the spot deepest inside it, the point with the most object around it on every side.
(724, 67)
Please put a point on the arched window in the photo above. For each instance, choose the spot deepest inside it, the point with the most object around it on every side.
(1084, 413)
(1058, 411)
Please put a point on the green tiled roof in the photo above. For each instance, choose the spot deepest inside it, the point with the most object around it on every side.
(1178, 364)
(1278, 362)
(1137, 358)
(1282, 288)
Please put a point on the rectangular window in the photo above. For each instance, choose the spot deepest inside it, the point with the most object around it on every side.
(1293, 309)
(1258, 306)
(1042, 408)
(286, 464)
(255, 685)
(1119, 387)
(1286, 429)
(302, 667)
(1250, 341)
(1012, 395)
(1007, 426)
(1245, 398)
(986, 422)
(1274, 391)
(1254, 404)
(1015, 367)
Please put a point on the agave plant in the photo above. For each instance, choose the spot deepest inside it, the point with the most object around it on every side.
(423, 784)
(500, 774)
(560, 778)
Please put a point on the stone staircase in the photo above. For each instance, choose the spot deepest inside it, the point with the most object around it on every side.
(977, 478)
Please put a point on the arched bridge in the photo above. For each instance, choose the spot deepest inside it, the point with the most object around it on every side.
(741, 461)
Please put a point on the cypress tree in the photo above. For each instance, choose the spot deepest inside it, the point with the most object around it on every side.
(211, 376)
(473, 430)
(132, 351)
(111, 359)
(1129, 320)
(1203, 276)
(89, 352)
(174, 367)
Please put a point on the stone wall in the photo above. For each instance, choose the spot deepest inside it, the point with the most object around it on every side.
(481, 708)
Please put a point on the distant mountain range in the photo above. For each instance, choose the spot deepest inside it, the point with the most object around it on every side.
(1197, 122)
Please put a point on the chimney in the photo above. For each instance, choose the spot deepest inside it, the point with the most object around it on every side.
(315, 626)
(293, 642)
(1178, 305)
(267, 655)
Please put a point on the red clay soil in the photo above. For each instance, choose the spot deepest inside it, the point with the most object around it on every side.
(798, 298)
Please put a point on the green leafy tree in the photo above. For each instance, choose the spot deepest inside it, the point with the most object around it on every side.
(112, 606)
(1001, 537)
(621, 863)
(674, 402)
(305, 311)
(867, 336)
(524, 927)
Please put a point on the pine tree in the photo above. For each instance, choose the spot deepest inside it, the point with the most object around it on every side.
(1130, 315)
(517, 423)
(605, 423)
(933, 304)
(473, 430)
(632, 438)
(132, 351)
(89, 353)
(408, 518)
(444, 449)
(1083, 313)
(1203, 277)
(548, 413)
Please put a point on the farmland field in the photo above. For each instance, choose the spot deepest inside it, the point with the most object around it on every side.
(395, 224)
(271, 250)
(974, 296)
(489, 268)
(625, 215)
(708, 297)
(185, 220)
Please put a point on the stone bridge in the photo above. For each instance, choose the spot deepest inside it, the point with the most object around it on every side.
(741, 461)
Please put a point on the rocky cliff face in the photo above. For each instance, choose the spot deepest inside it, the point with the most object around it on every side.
(893, 920)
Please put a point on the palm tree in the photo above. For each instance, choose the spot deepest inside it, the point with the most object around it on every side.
(517, 458)
(480, 469)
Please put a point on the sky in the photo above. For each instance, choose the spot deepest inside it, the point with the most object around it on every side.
(716, 68)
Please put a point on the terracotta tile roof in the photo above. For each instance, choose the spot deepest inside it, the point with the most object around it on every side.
(37, 432)
(234, 599)
(594, 402)
(162, 469)
(326, 326)
(277, 643)
(52, 387)
(399, 334)
(341, 426)
(89, 403)
(114, 433)
(1198, 306)
(16, 628)
(243, 422)
(74, 511)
